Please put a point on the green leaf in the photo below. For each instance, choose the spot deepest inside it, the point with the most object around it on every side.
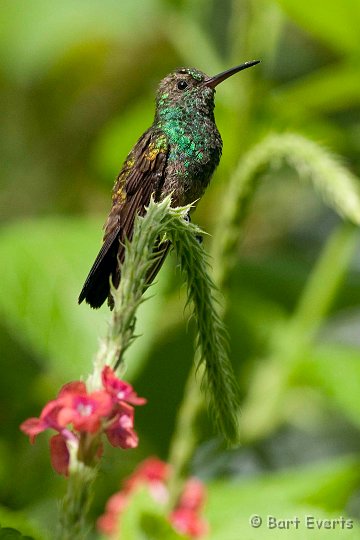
(11, 523)
(32, 39)
(266, 406)
(12, 534)
(145, 519)
(336, 184)
(319, 491)
(40, 287)
(336, 23)
(47, 262)
(328, 89)
(335, 370)
(155, 526)
(121, 133)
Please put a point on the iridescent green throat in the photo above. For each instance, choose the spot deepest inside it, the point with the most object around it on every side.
(188, 128)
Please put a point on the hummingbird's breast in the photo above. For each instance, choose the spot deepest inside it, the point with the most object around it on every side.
(195, 147)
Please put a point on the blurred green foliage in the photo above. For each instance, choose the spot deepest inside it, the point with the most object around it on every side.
(77, 81)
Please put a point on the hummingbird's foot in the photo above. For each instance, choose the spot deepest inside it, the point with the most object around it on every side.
(199, 238)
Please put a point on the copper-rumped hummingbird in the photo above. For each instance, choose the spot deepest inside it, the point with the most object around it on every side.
(177, 155)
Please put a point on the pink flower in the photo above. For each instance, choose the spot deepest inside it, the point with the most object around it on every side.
(120, 432)
(47, 419)
(185, 518)
(193, 495)
(150, 470)
(59, 454)
(188, 522)
(118, 389)
(85, 411)
(108, 522)
(81, 418)
(154, 473)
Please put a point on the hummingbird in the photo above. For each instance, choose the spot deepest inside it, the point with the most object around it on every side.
(176, 156)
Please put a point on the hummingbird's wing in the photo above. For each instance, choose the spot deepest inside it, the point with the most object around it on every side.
(141, 176)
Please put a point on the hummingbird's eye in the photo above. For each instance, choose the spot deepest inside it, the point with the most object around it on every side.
(182, 84)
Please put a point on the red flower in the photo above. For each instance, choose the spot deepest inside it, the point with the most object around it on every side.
(80, 417)
(150, 470)
(187, 522)
(185, 517)
(108, 522)
(120, 390)
(120, 432)
(154, 473)
(193, 495)
(59, 454)
(48, 419)
(85, 411)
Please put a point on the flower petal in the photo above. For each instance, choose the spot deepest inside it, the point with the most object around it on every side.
(74, 387)
(118, 389)
(193, 495)
(85, 411)
(32, 427)
(59, 455)
(187, 522)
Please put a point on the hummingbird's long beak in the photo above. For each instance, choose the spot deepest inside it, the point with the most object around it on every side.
(217, 79)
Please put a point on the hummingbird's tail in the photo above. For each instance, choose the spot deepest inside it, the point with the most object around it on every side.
(96, 288)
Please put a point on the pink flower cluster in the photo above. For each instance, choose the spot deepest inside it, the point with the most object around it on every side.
(90, 414)
(154, 474)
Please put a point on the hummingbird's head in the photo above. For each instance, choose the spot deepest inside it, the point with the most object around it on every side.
(188, 89)
(184, 89)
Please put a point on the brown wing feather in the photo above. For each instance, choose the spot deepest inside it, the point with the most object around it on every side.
(142, 174)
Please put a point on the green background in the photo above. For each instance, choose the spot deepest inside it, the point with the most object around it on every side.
(77, 83)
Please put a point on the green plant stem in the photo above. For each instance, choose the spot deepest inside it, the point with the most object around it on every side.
(335, 183)
(185, 437)
(161, 221)
(339, 189)
(325, 280)
(264, 407)
(75, 505)
(211, 336)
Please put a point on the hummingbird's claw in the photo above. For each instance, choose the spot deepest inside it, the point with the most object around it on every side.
(187, 218)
